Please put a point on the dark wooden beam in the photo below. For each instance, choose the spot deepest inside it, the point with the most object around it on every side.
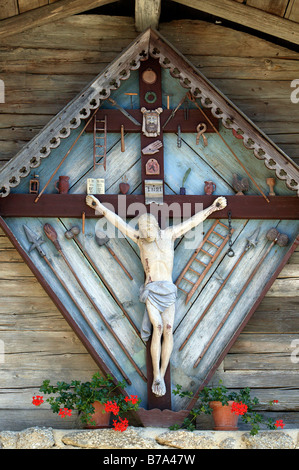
(188, 122)
(72, 205)
(250, 17)
(46, 14)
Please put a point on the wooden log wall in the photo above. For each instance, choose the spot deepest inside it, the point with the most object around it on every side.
(42, 70)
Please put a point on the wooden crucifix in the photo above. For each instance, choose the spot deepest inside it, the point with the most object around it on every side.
(156, 245)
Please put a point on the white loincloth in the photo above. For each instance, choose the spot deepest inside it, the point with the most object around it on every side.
(161, 294)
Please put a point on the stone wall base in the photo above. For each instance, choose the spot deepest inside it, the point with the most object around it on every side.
(146, 438)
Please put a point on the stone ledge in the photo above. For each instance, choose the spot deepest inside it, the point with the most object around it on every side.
(146, 438)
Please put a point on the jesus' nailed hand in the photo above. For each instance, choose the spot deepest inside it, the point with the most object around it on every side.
(158, 293)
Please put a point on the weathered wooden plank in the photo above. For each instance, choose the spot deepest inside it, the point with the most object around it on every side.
(26, 5)
(197, 37)
(275, 317)
(8, 8)
(252, 344)
(275, 8)
(284, 288)
(10, 255)
(256, 361)
(22, 287)
(246, 16)
(114, 31)
(46, 14)
(13, 420)
(15, 270)
(292, 12)
(257, 379)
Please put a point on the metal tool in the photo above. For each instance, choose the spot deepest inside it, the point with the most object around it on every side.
(122, 137)
(201, 129)
(72, 234)
(174, 111)
(52, 235)
(102, 239)
(36, 244)
(230, 251)
(131, 97)
(168, 95)
(125, 113)
(179, 140)
(251, 242)
(272, 235)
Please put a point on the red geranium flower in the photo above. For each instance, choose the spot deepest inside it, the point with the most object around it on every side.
(120, 425)
(133, 399)
(63, 412)
(279, 423)
(239, 408)
(111, 407)
(37, 400)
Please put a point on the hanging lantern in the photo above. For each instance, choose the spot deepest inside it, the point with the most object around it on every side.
(34, 185)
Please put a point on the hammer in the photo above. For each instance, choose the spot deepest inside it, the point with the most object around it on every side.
(102, 239)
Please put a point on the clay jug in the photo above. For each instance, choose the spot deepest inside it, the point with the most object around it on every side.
(209, 187)
(62, 185)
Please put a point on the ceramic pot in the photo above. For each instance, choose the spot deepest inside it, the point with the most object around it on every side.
(63, 184)
(224, 419)
(100, 417)
(209, 187)
(182, 190)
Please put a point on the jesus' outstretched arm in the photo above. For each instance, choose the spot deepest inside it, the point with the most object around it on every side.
(180, 229)
(115, 220)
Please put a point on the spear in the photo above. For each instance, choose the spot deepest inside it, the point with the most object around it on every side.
(36, 244)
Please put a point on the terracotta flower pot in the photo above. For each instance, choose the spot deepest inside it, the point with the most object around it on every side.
(100, 417)
(224, 419)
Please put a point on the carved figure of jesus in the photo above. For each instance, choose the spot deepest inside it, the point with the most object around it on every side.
(158, 293)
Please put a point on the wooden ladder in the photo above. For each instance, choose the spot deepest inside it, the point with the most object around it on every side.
(194, 258)
(98, 141)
